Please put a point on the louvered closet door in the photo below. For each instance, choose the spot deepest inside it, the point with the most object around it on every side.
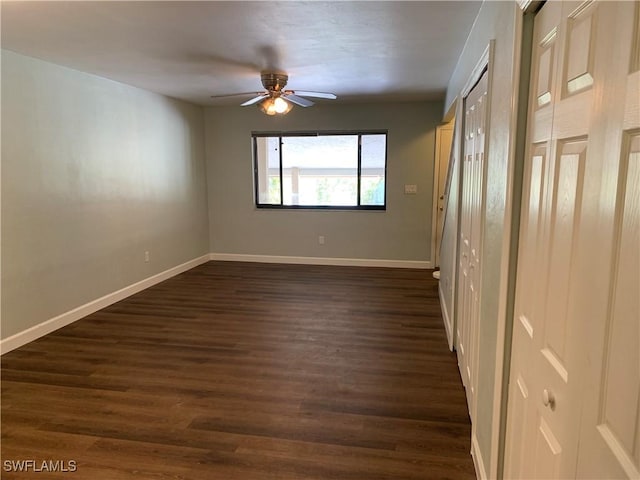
(575, 370)
(471, 236)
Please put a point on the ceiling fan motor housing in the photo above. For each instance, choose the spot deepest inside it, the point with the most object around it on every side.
(274, 81)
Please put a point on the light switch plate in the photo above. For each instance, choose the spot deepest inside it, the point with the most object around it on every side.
(410, 189)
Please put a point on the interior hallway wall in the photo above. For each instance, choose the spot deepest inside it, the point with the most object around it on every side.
(499, 21)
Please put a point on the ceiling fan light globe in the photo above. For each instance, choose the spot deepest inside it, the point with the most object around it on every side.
(275, 106)
(281, 106)
(267, 107)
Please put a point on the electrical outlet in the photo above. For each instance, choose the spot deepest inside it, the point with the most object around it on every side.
(146, 256)
(411, 189)
(321, 239)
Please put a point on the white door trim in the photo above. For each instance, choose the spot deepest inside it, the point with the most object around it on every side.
(479, 69)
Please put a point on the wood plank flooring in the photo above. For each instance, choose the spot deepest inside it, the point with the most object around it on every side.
(246, 371)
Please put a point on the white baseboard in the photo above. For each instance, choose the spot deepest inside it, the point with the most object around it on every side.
(48, 326)
(350, 262)
(446, 318)
(478, 463)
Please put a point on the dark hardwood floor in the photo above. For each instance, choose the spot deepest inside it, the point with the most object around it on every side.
(246, 371)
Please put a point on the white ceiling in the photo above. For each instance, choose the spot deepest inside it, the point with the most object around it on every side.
(360, 50)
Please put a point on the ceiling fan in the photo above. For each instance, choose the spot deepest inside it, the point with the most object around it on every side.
(276, 100)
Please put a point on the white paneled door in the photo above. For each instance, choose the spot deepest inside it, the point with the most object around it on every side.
(444, 137)
(574, 391)
(470, 236)
(610, 423)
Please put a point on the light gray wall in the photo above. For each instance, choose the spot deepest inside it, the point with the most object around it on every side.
(94, 173)
(497, 20)
(402, 232)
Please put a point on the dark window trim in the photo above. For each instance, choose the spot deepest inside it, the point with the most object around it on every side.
(315, 133)
(281, 168)
(318, 133)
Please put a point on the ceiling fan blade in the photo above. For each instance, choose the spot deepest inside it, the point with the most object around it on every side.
(304, 93)
(255, 100)
(303, 102)
(244, 94)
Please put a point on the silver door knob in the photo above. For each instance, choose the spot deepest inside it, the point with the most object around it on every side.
(548, 399)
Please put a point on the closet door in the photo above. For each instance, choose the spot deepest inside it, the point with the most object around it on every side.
(576, 262)
(470, 237)
(610, 426)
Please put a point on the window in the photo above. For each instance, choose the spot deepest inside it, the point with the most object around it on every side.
(344, 170)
